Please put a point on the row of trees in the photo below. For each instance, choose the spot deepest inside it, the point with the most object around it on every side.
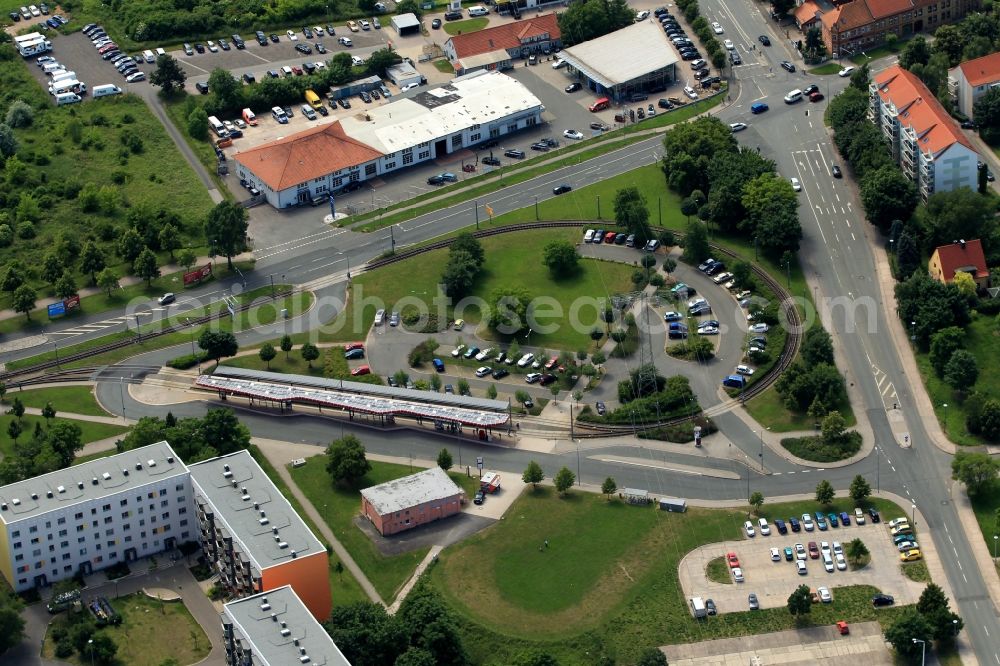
(46, 448)
(217, 433)
(583, 21)
(812, 384)
(732, 187)
(465, 262)
(699, 24)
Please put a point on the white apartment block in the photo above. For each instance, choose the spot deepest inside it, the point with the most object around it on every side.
(93, 515)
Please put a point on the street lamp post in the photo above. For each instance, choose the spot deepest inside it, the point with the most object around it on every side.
(55, 346)
(760, 434)
(913, 514)
(90, 647)
(913, 331)
(996, 537)
(923, 650)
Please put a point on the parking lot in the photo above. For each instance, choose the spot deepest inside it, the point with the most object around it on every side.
(774, 581)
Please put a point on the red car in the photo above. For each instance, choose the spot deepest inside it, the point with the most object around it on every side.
(610, 237)
(733, 561)
(297, 71)
(813, 550)
(354, 345)
(816, 97)
(551, 363)
(361, 370)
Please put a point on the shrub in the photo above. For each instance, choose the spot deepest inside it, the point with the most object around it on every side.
(26, 230)
(422, 353)
(6, 235)
(187, 361)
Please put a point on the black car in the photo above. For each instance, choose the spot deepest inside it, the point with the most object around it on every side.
(573, 87)
(261, 38)
(639, 97)
(601, 127)
(700, 74)
(273, 73)
(480, 497)
(365, 97)
(288, 111)
(873, 514)
(238, 42)
(735, 58)
(320, 48)
(491, 161)
(837, 173)
(601, 409)
(303, 48)
(710, 607)
(500, 373)
(201, 87)
(540, 147)
(436, 23)
(547, 378)
(249, 78)
(330, 29)
(968, 124)
(810, 89)
(435, 180)
(344, 103)
(273, 37)
(765, 40)
(224, 45)
(200, 48)
(307, 31)
(453, 16)
(880, 600)
(322, 111)
(375, 95)
(787, 66)
(352, 186)
(309, 67)
(665, 104)
(15, 16)
(557, 190)
(516, 154)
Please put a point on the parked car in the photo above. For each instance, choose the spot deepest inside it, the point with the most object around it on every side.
(882, 600)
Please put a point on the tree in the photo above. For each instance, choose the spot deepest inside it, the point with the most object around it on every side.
(522, 397)
(14, 430)
(346, 461)
(415, 656)
(197, 123)
(533, 474)
(817, 346)
(52, 267)
(267, 353)
(381, 60)
(965, 284)
(286, 345)
(17, 408)
(24, 300)
(857, 551)
(466, 242)
(463, 386)
(444, 459)
(366, 634)
(130, 245)
(107, 280)
(564, 480)
(934, 606)
(986, 111)
(631, 212)
(508, 309)
(48, 412)
(926, 306)
(961, 371)
(976, 470)
(460, 274)
(186, 258)
(860, 489)
(609, 487)
(888, 195)
(8, 142)
(689, 149)
(800, 601)
(901, 633)
(959, 213)
(226, 230)
(833, 429)
(226, 88)
(220, 431)
(825, 493)
(561, 258)
(948, 40)
(65, 438)
(146, 267)
(92, 260)
(170, 239)
(915, 51)
(217, 344)
(491, 392)
(168, 75)
(756, 501)
(11, 622)
(652, 657)
(696, 248)
(583, 21)
(310, 353)
(65, 286)
(907, 255)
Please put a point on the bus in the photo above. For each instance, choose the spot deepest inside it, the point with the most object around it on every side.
(600, 105)
(217, 127)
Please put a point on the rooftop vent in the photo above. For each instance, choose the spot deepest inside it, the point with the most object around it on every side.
(263, 521)
(124, 471)
(962, 243)
(256, 505)
(284, 624)
(286, 632)
(294, 555)
(264, 605)
(61, 489)
(228, 474)
(302, 650)
(225, 468)
(170, 459)
(282, 544)
(79, 485)
(48, 493)
(106, 476)
(262, 514)
(274, 529)
(304, 658)
(234, 483)
(151, 462)
(93, 481)
(274, 616)
(3, 507)
(263, 600)
(34, 496)
(295, 641)
(138, 466)
(16, 502)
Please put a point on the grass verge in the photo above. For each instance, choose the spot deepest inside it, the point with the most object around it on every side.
(826, 68)
(72, 399)
(339, 506)
(90, 431)
(592, 592)
(466, 26)
(717, 571)
(815, 449)
(916, 571)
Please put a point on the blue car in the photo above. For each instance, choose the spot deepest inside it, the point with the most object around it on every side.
(820, 521)
(438, 364)
(758, 107)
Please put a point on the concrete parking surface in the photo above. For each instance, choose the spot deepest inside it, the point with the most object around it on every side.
(774, 581)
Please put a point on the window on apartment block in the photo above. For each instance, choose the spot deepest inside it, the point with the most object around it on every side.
(78, 516)
(61, 521)
(33, 529)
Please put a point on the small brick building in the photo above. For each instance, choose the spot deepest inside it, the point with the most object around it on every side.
(417, 499)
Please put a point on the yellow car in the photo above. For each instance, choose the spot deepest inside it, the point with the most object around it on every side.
(910, 556)
(459, 324)
(353, 26)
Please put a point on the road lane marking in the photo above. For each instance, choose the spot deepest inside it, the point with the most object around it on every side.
(636, 464)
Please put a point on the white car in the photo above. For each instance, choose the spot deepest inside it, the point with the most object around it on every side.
(137, 76)
(573, 134)
(589, 236)
(483, 355)
(379, 317)
(897, 521)
(722, 277)
(408, 86)
(292, 37)
(904, 546)
(483, 371)
(828, 563)
(859, 517)
(525, 360)
(737, 127)
(775, 555)
(761, 328)
(642, 16)
(365, 25)
(824, 595)
(533, 377)
(744, 370)
(846, 71)
(559, 63)
(748, 527)
(800, 552)
(837, 548)
(765, 529)
(689, 91)
(729, 45)
(318, 30)
(807, 522)
(738, 575)
(824, 547)
(708, 330)
(457, 351)
(841, 562)
(796, 185)
(716, 28)
(800, 565)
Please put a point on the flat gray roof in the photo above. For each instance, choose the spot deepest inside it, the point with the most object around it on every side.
(409, 491)
(254, 510)
(93, 480)
(409, 20)
(623, 55)
(273, 639)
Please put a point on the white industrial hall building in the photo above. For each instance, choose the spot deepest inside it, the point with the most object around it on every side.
(311, 165)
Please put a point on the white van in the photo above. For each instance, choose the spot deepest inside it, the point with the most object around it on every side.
(67, 98)
(62, 75)
(286, 70)
(106, 89)
(50, 67)
(478, 10)
(148, 55)
(72, 86)
(160, 52)
(793, 97)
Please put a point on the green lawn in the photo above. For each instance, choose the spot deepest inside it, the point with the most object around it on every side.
(768, 410)
(875, 54)
(293, 365)
(442, 65)
(72, 399)
(466, 26)
(66, 148)
(344, 588)
(813, 448)
(339, 506)
(826, 68)
(981, 340)
(263, 312)
(718, 571)
(985, 505)
(606, 585)
(151, 633)
(91, 432)
(511, 259)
